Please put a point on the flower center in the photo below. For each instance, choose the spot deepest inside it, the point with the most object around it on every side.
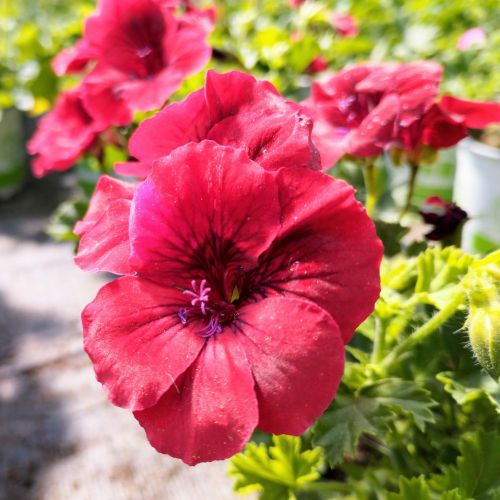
(214, 313)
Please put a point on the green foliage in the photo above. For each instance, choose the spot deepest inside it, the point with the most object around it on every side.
(276, 471)
(278, 42)
(372, 408)
(31, 33)
(63, 220)
(415, 416)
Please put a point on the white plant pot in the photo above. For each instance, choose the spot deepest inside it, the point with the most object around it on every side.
(477, 191)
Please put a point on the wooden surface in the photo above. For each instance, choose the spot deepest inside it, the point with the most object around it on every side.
(59, 437)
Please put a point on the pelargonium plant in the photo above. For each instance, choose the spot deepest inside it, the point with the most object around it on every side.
(253, 314)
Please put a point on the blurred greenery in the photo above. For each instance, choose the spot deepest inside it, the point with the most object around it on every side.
(278, 42)
(31, 33)
(270, 39)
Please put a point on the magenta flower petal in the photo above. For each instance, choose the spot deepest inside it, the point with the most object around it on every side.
(174, 126)
(104, 231)
(370, 106)
(324, 229)
(73, 59)
(345, 24)
(136, 343)
(473, 114)
(143, 53)
(211, 411)
(63, 135)
(377, 131)
(296, 375)
(234, 110)
(106, 246)
(213, 193)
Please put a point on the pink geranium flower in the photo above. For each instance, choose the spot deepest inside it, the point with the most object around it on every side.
(345, 25)
(247, 284)
(360, 111)
(470, 38)
(233, 109)
(141, 51)
(63, 135)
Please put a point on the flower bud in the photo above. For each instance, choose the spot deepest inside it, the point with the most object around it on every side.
(483, 288)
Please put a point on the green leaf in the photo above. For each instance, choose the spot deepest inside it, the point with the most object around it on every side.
(276, 471)
(479, 466)
(338, 430)
(415, 488)
(471, 388)
(60, 226)
(440, 271)
(403, 396)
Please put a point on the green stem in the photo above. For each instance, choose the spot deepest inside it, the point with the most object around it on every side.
(426, 329)
(370, 187)
(411, 189)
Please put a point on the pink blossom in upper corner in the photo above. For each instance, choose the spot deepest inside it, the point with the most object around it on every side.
(247, 283)
(232, 109)
(141, 52)
(360, 110)
(62, 135)
(471, 38)
(345, 25)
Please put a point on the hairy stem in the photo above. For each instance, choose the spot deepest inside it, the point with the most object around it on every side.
(426, 329)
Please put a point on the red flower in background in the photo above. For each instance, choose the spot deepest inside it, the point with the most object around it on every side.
(447, 122)
(359, 111)
(142, 53)
(367, 109)
(232, 109)
(247, 284)
(344, 24)
(63, 135)
(318, 64)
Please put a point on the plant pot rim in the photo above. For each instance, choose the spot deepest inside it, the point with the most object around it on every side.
(479, 148)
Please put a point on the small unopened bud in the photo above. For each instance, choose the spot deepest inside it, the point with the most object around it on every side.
(484, 335)
(483, 289)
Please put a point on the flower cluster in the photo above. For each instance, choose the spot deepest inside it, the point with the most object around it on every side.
(367, 109)
(244, 272)
(135, 54)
